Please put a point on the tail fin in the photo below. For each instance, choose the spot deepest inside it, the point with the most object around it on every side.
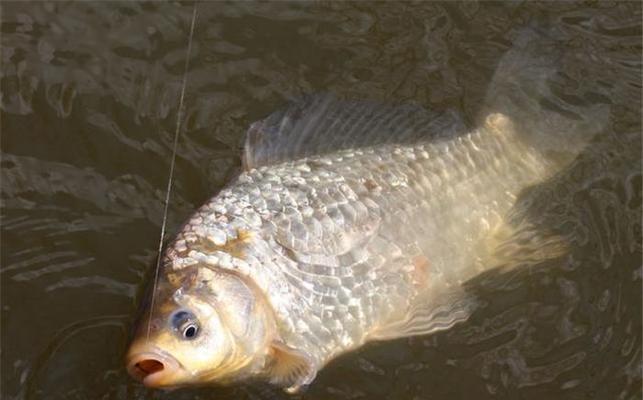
(529, 86)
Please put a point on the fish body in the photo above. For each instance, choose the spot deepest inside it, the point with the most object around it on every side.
(352, 222)
(304, 260)
(342, 245)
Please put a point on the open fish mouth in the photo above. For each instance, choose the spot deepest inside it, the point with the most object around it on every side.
(153, 368)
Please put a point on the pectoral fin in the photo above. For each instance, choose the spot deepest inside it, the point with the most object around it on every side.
(290, 368)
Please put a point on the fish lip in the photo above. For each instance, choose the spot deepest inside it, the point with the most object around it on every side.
(155, 379)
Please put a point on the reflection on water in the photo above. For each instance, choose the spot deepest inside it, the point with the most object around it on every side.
(89, 98)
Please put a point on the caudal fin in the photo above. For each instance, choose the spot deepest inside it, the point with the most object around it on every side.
(529, 86)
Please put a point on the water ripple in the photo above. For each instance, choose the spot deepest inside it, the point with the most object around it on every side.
(89, 93)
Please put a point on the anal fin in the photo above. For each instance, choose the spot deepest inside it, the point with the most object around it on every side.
(516, 250)
(520, 244)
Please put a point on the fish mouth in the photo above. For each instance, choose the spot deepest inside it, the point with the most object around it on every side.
(153, 368)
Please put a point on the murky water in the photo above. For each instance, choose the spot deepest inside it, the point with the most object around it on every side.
(89, 100)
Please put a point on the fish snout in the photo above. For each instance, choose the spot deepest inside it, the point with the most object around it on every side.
(153, 369)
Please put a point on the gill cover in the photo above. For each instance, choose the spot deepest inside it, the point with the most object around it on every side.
(243, 317)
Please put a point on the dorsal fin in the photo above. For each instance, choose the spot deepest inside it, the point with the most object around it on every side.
(320, 124)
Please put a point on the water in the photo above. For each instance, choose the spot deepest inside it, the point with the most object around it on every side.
(89, 100)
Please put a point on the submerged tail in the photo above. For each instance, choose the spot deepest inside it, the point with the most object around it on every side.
(529, 87)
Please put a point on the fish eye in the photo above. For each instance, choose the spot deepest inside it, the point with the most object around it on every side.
(185, 324)
(190, 331)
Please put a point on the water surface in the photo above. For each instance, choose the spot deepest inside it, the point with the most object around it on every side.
(89, 97)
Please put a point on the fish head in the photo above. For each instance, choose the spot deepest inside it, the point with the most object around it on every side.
(204, 326)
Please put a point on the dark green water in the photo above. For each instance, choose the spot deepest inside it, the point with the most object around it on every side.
(89, 101)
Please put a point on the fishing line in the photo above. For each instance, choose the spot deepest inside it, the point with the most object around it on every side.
(179, 116)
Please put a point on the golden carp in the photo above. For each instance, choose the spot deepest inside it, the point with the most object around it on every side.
(351, 222)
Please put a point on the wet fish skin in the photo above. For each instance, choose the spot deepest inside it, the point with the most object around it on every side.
(353, 222)
(340, 246)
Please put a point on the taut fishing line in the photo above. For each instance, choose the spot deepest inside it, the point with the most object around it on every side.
(169, 181)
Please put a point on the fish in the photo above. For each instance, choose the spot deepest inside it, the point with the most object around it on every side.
(351, 222)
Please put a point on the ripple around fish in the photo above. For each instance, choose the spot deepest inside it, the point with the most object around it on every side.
(49, 269)
(43, 361)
